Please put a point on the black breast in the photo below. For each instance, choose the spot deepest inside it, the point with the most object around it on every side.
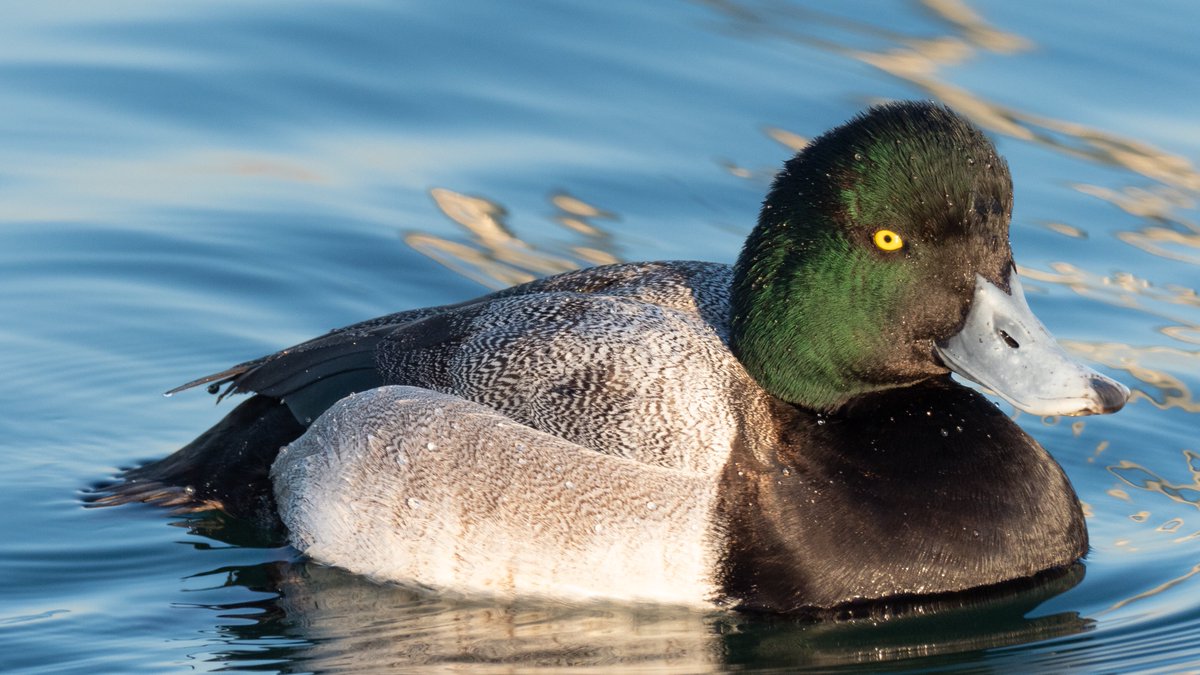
(918, 491)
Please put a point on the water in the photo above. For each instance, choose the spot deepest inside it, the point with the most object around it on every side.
(186, 185)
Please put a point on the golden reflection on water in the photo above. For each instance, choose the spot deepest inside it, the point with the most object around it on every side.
(1165, 586)
(1066, 230)
(763, 174)
(788, 139)
(920, 60)
(975, 29)
(1148, 481)
(1138, 476)
(1118, 493)
(495, 256)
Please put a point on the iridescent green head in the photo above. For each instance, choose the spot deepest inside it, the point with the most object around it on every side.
(867, 252)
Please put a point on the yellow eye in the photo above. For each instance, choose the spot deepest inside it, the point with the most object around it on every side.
(887, 240)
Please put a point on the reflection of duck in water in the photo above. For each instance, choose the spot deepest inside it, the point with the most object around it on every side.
(340, 622)
(779, 435)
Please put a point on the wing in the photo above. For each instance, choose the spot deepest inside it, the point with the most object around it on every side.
(429, 347)
(611, 373)
(284, 371)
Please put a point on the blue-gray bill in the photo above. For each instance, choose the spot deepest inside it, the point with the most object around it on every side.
(1004, 347)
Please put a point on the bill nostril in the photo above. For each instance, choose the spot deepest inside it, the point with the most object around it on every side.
(1008, 339)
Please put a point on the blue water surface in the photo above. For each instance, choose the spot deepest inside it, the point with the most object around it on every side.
(187, 185)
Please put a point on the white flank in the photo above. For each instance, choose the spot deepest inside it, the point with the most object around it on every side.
(413, 486)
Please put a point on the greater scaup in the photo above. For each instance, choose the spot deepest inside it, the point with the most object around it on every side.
(780, 435)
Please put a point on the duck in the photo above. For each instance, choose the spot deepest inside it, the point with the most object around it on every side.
(780, 435)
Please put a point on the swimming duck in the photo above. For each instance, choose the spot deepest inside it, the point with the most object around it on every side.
(780, 435)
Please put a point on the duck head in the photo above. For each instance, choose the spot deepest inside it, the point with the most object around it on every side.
(881, 258)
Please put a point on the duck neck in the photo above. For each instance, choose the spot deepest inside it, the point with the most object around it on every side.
(810, 313)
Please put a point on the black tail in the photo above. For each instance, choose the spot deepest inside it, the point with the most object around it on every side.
(226, 468)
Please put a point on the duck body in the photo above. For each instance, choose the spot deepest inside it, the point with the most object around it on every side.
(779, 435)
(925, 488)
